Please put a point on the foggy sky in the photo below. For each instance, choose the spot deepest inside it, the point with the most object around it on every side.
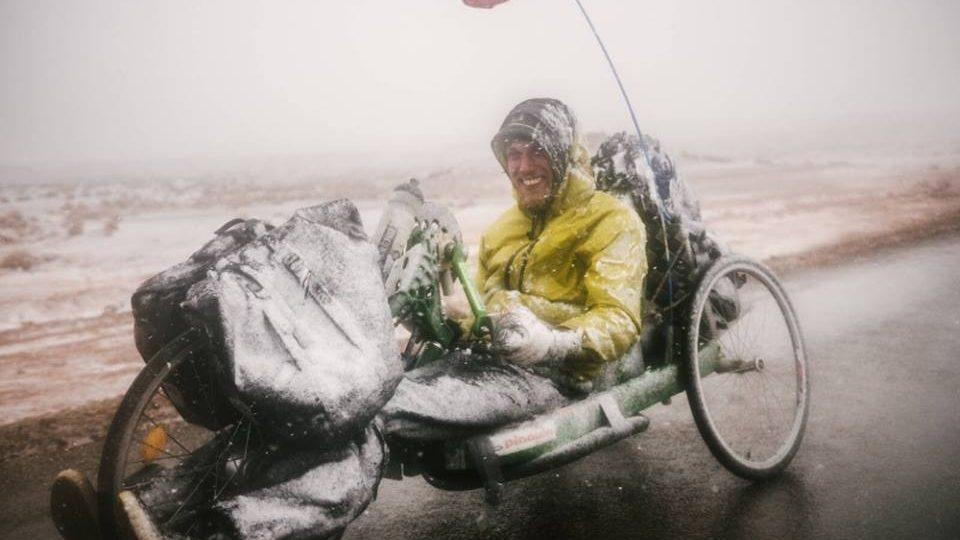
(110, 81)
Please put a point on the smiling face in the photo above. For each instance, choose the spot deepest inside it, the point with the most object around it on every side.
(530, 173)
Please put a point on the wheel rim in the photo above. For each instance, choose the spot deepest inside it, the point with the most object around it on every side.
(189, 465)
(754, 400)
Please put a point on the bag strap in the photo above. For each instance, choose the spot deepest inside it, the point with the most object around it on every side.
(228, 225)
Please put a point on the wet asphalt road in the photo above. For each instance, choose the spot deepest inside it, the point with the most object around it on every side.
(879, 459)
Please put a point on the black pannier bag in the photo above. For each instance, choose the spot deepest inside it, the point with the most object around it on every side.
(300, 334)
(679, 247)
(159, 318)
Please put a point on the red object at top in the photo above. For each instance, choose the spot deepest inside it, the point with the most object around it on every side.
(486, 4)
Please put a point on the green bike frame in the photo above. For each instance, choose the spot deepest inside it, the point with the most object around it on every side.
(551, 439)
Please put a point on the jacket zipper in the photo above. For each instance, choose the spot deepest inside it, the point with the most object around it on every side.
(534, 236)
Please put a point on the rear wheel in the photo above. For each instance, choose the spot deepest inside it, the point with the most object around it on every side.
(746, 366)
(150, 446)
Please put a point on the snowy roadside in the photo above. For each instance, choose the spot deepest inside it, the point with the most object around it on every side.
(71, 256)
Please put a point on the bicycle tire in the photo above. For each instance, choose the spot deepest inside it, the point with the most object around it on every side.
(146, 389)
(752, 372)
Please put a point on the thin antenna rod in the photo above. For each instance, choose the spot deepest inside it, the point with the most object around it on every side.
(613, 68)
(646, 157)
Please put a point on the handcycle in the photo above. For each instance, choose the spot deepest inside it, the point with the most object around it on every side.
(745, 376)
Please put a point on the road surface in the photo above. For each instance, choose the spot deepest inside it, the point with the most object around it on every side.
(879, 459)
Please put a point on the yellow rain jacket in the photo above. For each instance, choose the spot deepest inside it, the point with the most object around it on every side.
(579, 266)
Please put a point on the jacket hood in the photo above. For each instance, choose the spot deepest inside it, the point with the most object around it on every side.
(551, 124)
(577, 186)
(547, 122)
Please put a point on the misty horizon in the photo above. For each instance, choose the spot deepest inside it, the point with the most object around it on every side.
(114, 88)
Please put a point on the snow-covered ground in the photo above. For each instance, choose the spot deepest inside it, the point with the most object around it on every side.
(70, 255)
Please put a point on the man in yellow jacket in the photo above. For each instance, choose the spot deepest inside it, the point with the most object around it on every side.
(568, 255)
(562, 272)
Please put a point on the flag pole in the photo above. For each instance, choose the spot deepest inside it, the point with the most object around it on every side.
(646, 157)
(616, 75)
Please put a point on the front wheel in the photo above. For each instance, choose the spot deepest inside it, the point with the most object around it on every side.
(150, 447)
(746, 366)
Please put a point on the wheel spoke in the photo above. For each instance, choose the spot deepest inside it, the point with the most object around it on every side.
(748, 416)
(147, 406)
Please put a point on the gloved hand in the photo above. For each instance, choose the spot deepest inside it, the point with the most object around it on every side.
(523, 339)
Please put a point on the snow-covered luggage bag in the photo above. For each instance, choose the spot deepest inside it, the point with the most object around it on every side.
(310, 494)
(159, 317)
(304, 328)
(680, 249)
(265, 491)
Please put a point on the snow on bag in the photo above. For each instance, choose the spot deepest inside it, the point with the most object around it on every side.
(299, 321)
(680, 249)
(159, 318)
(293, 491)
(328, 491)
